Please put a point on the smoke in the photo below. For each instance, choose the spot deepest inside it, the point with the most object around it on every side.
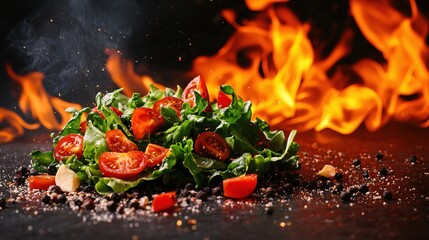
(66, 41)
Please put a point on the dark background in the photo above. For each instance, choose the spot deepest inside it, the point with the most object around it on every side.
(66, 39)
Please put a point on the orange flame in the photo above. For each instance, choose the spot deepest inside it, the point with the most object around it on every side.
(271, 61)
(36, 101)
(122, 73)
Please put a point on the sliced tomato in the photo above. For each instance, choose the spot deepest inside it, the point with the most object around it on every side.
(82, 127)
(163, 201)
(240, 187)
(223, 100)
(117, 111)
(156, 154)
(118, 142)
(69, 145)
(196, 85)
(42, 182)
(212, 145)
(172, 102)
(145, 121)
(122, 165)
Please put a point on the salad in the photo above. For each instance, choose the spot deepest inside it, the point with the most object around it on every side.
(166, 136)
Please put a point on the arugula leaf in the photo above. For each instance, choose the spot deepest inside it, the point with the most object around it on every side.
(94, 143)
(42, 160)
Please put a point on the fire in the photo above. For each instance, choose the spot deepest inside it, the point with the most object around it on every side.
(270, 60)
(36, 101)
(122, 73)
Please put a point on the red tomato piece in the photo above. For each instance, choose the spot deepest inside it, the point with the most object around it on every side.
(156, 154)
(117, 111)
(82, 127)
(42, 182)
(69, 145)
(163, 201)
(122, 165)
(198, 85)
(240, 187)
(212, 145)
(145, 121)
(118, 142)
(172, 102)
(223, 100)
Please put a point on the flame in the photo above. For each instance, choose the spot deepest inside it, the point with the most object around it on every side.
(36, 101)
(122, 73)
(270, 60)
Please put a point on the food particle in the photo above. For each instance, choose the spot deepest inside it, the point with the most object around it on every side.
(379, 156)
(363, 189)
(356, 162)
(345, 196)
(387, 195)
(328, 171)
(383, 172)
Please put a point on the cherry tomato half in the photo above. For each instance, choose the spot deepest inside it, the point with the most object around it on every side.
(118, 142)
(122, 165)
(117, 111)
(240, 187)
(69, 145)
(156, 154)
(145, 121)
(223, 100)
(83, 126)
(197, 84)
(172, 102)
(212, 145)
(163, 201)
(42, 182)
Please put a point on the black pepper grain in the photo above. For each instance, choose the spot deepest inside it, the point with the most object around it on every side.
(356, 162)
(270, 192)
(365, 173)
(111, 206)
(52, 170)
(115, 197)
(412, 159)
(135, 205)
(202, 195)
(269, 210)
(217, 191)
(383, 172)
(55, 189)
(88, 189)
(61, 199)
(387, 195)
(46, 199)
(88, 204)
(338, 176)
(345, 196)
(23, 171)
(78, 202)
(353, 190)
(363, 188)
(379, 156)
(339, 187)
(2, 202)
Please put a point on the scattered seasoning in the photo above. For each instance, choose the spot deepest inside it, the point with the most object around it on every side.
(387, 195)
(288, 188)
(2, 203)
(363, 189)
(216, 191)
(202, 195)
(46, 199)
(61, 199)
(88, 189)
(338, 176)
(55, 189)
(353, 190)
(365, 173)
(270, 192)
(115, 197)
(356, 162)
(111, 206)
(88, 204)
(269, 210)
(345, 196)
(412, 159)
(383, 172)
(379, 156)
(339, 187)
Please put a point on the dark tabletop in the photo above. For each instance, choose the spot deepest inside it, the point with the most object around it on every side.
(305, 214)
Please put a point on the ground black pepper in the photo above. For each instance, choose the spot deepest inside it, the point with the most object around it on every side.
(365, 173)
(345, 196)
(412, 159)
(338, 176)
(379, 156)
(387, 195)
(363, 188)
(383, 172)
(46, 199)
(356, 162)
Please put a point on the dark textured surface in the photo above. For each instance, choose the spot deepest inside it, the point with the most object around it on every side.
(305, 214)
